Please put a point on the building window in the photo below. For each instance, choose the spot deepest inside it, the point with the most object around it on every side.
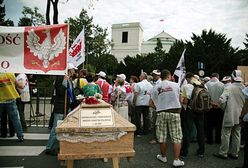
(124, 37)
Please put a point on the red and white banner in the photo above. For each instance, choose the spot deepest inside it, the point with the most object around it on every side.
(76, 52)
(34, 50)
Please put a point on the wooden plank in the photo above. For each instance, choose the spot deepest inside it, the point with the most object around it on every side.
(115, 162)
(98, 155)
(125, 143)
(69, 163)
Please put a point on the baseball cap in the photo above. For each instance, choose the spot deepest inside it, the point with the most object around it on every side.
(122, 76)
(71, 66)
(102, 74)
(237, 76)
(156, 72)
(226, 78)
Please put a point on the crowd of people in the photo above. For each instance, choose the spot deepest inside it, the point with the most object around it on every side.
(154, 102)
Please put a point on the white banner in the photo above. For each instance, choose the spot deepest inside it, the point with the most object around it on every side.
(77, 50)
(34, 50)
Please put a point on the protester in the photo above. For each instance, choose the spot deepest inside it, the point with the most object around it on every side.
(190, 117)
(142, 92)
(105, 87)
(118, 97)
(214, 116)
(24, 97)
(244, 121)
(5, 120)
(156, 80)
(131, 108)
(8, 95)
(226, 80)
(62, 103)
(81, 78)
(234, 99)
(168, 107)
(91, 89)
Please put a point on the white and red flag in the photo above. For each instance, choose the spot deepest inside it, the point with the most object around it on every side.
(36, 50)
(77, 50)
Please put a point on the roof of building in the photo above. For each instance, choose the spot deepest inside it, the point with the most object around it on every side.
(162, 36)
(128, 25)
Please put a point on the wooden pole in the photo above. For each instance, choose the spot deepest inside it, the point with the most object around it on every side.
(65, 103)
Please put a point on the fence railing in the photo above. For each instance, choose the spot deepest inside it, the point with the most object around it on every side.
(39, 109)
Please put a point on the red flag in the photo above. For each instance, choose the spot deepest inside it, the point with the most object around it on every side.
(45, 47)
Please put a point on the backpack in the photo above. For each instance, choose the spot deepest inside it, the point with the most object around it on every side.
(200, 99)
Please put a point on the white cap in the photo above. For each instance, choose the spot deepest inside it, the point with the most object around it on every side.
(71, 66)
(102, 74)
(122, 76)
(237, 76)
(197, 77)
(206, 79)
(226, 78)
(156, 72)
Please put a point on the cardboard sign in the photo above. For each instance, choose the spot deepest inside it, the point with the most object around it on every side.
(96, 117)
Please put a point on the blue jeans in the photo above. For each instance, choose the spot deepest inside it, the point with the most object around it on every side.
(12, 111)
(51, 144)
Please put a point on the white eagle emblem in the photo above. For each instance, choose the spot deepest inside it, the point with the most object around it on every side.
(46, 51)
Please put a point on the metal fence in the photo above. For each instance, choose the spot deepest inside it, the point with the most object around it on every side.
(39, 109)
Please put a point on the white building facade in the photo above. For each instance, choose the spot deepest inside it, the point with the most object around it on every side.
(127, 39)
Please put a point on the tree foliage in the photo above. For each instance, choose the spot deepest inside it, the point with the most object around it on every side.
(4, 22)
(214, 50)
(31, 17)
(96, 43)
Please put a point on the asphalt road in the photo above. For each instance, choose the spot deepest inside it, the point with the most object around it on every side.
(145, 156)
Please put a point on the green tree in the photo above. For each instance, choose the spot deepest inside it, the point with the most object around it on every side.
(158, 55)
(246, 42)
(214, 50)
(171, 59)
(96, 43)
(4, 22)
(31, 17)
(8, 22)
(2, 12)
(243, 53)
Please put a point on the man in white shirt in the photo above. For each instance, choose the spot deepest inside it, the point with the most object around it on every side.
(214, 116)
(168, 107)
(234, 99)
(156, 80)
(142, 92)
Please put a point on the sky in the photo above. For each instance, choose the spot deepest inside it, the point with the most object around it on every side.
(181, 17)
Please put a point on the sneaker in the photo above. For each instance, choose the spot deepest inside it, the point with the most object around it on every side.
(219, 156)
(178, 163)
(161, 158)
(235, 157)
(20, 139)
(153, 141)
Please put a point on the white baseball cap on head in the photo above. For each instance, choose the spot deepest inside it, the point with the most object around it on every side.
(71, 66)
(226, 78)
(156, 72)
(237, 76)
(122, 76)
(102, 74)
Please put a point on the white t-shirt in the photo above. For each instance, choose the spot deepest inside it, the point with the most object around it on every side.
(144, 89)
(187, 90)
(166, 95)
